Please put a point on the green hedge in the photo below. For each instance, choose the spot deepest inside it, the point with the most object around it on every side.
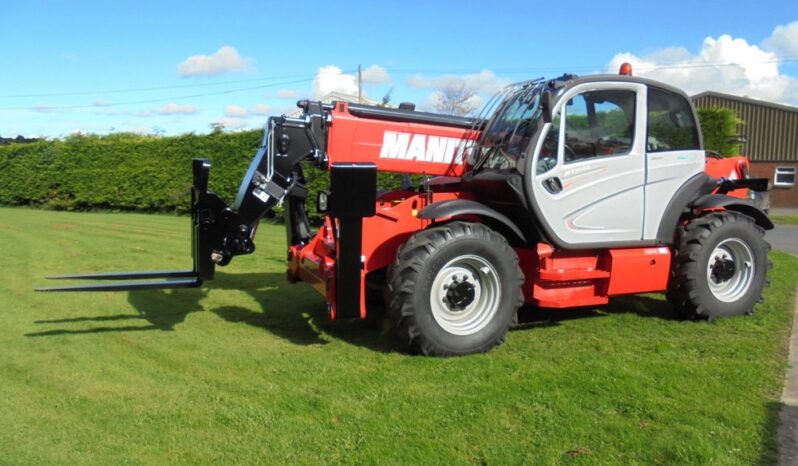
(132, 172)
(120, 171)
(719, 126)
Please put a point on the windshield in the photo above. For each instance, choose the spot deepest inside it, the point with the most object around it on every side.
(509, 131)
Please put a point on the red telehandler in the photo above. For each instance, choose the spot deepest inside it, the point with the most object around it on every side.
(566, 192)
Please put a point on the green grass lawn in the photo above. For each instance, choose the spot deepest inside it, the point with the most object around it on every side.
(249, 370)
(784, 219)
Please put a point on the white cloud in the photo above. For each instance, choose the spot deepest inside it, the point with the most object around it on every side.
(225, 60)
(143, 130)
(235, 111)
(723, 64)
(232, 124)
(485, 82)
(177, 109)
(375, 74)
(170, 109)
(484, 85)
(330, 78)
(286, 94)
(784, 40)
(238, 112)
(260, 109)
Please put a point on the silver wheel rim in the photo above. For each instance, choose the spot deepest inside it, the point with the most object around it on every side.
(730, 270)
(481, 277)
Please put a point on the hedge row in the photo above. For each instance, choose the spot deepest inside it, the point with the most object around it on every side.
(131, 172)
(719, 126)
(152, 173)
(120, 171)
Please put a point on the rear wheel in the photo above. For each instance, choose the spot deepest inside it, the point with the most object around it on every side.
(454, 289)
(720, 268)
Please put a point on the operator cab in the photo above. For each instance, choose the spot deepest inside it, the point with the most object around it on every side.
(594, 161)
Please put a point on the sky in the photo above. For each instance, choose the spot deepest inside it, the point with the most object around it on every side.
(172, 67)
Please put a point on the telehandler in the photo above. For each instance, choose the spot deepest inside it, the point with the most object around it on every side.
(563, 193)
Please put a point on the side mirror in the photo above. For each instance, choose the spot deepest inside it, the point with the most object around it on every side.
(546, 104)
(737, 139)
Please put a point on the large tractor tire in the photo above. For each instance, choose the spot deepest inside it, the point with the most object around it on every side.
(454, 289)
(720, 266)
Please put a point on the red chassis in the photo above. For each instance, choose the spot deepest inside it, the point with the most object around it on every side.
(554, 279)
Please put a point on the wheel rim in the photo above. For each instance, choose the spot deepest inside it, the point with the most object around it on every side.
(730, 270)
(465, 295)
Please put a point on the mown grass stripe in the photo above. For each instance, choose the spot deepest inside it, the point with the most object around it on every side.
(250, 370)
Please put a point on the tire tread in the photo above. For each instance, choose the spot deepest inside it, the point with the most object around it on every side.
(403, 275)
(684, 291)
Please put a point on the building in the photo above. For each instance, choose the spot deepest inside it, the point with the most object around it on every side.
(772, 147)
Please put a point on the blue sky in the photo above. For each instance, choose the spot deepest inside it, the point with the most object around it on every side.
(148, 66)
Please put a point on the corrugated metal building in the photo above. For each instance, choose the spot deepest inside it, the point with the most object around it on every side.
(772, 146)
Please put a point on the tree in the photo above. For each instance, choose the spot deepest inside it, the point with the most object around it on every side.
(719, 127)
(455, 98)
(217, 127)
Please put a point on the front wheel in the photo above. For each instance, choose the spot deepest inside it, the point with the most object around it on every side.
(720, 268)
(454, 289)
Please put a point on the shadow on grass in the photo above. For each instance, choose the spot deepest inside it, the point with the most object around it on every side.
(642, 305)
(161, 309)
(292, 312)
(297, 314)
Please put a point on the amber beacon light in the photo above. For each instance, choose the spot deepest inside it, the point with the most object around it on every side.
(626, 69)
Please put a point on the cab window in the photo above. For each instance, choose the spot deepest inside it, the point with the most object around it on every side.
(671, 125)
(550, 147)
(599, 123)
(507, 139)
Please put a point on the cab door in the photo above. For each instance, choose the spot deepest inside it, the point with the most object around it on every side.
(589, 178)
(674, 153)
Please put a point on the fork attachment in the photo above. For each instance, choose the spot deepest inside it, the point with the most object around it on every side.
(207, 210)
(219, 232)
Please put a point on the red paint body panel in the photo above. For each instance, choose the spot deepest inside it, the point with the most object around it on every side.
(560, 279)
(354, 139)
(396, 219)
(568, 278)
(639, 270)
(732, 168)
(314, 263)
(555, 279)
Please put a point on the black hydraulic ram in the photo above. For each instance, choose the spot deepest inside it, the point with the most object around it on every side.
(219, 232)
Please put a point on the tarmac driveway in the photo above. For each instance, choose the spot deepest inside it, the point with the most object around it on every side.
(784, 238)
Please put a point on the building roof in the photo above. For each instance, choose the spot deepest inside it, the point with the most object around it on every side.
(747, 100)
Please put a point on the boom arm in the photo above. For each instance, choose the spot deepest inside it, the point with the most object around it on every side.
(219, 232)
(386, 139)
